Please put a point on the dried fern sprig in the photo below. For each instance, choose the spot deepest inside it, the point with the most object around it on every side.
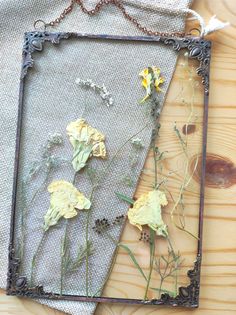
(168, 267)
(68, 263)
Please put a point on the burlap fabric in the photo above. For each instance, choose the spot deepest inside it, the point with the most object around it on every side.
(55, 68)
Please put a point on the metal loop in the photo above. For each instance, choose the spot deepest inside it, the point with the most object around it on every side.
(191, 32)
(43, 25)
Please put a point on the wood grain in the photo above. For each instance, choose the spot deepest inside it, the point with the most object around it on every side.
(218, 280)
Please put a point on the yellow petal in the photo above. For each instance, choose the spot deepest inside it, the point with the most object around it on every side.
(64, 200)
(144, 83)
(144, 73)
(151, 76)
(86, 141)
(83, 203)
(69, 212)
(61, 185)
(147, 211)
(99, 150)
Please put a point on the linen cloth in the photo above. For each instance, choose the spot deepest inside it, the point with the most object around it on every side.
(18, 18)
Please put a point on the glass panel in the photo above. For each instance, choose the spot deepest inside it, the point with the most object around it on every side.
(82, 228)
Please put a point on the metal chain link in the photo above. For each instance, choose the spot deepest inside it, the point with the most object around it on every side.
(120, 6)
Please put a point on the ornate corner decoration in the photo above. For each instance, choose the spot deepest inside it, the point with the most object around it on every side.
(199, 49)
(188, 296)
(17, 285)
(34, 41)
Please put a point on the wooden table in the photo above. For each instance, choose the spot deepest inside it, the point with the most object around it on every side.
(218, 280)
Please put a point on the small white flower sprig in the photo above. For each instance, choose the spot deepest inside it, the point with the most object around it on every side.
(101, 90)
(137, 143)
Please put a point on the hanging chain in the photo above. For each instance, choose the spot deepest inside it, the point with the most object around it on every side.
(97, 9)
(62, 15)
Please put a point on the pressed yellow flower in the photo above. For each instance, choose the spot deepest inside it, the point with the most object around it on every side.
(151, 75)
(64, 202)
(86, 141)
(147, 211)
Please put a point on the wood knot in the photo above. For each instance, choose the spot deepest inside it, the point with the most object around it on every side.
(188, 129)
(220, 171)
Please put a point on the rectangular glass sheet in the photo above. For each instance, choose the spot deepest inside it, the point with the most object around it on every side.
(79, 229)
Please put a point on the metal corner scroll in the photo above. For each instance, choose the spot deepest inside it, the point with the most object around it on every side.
(188, 296)
(18, 285)
(199, 49)
(34, 41)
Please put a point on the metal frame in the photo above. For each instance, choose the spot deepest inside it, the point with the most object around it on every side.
(200, 50)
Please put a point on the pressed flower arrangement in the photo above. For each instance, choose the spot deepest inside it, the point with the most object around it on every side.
(66, 200)
(75, 226)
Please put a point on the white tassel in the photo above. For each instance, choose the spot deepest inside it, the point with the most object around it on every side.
(214, 25)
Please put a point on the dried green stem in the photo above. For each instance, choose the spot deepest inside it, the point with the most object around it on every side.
(175, 258)
(186, 179)
(103, 175)
(33, 262)
(152, 256)
(46, 162)
(171, 267)
(68, 263)
(63, 253)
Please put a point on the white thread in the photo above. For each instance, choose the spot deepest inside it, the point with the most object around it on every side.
(213, 25)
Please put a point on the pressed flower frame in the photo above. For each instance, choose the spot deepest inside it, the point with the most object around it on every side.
(17, 284)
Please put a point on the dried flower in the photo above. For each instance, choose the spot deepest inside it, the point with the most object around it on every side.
(102, 90)
(137, 143)
(101, 225)
(151, 78)
(56, 138)
(86, 141)
(53, 140)
(119, 220)
(65, 201)
(145, 237)
(147, 211)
